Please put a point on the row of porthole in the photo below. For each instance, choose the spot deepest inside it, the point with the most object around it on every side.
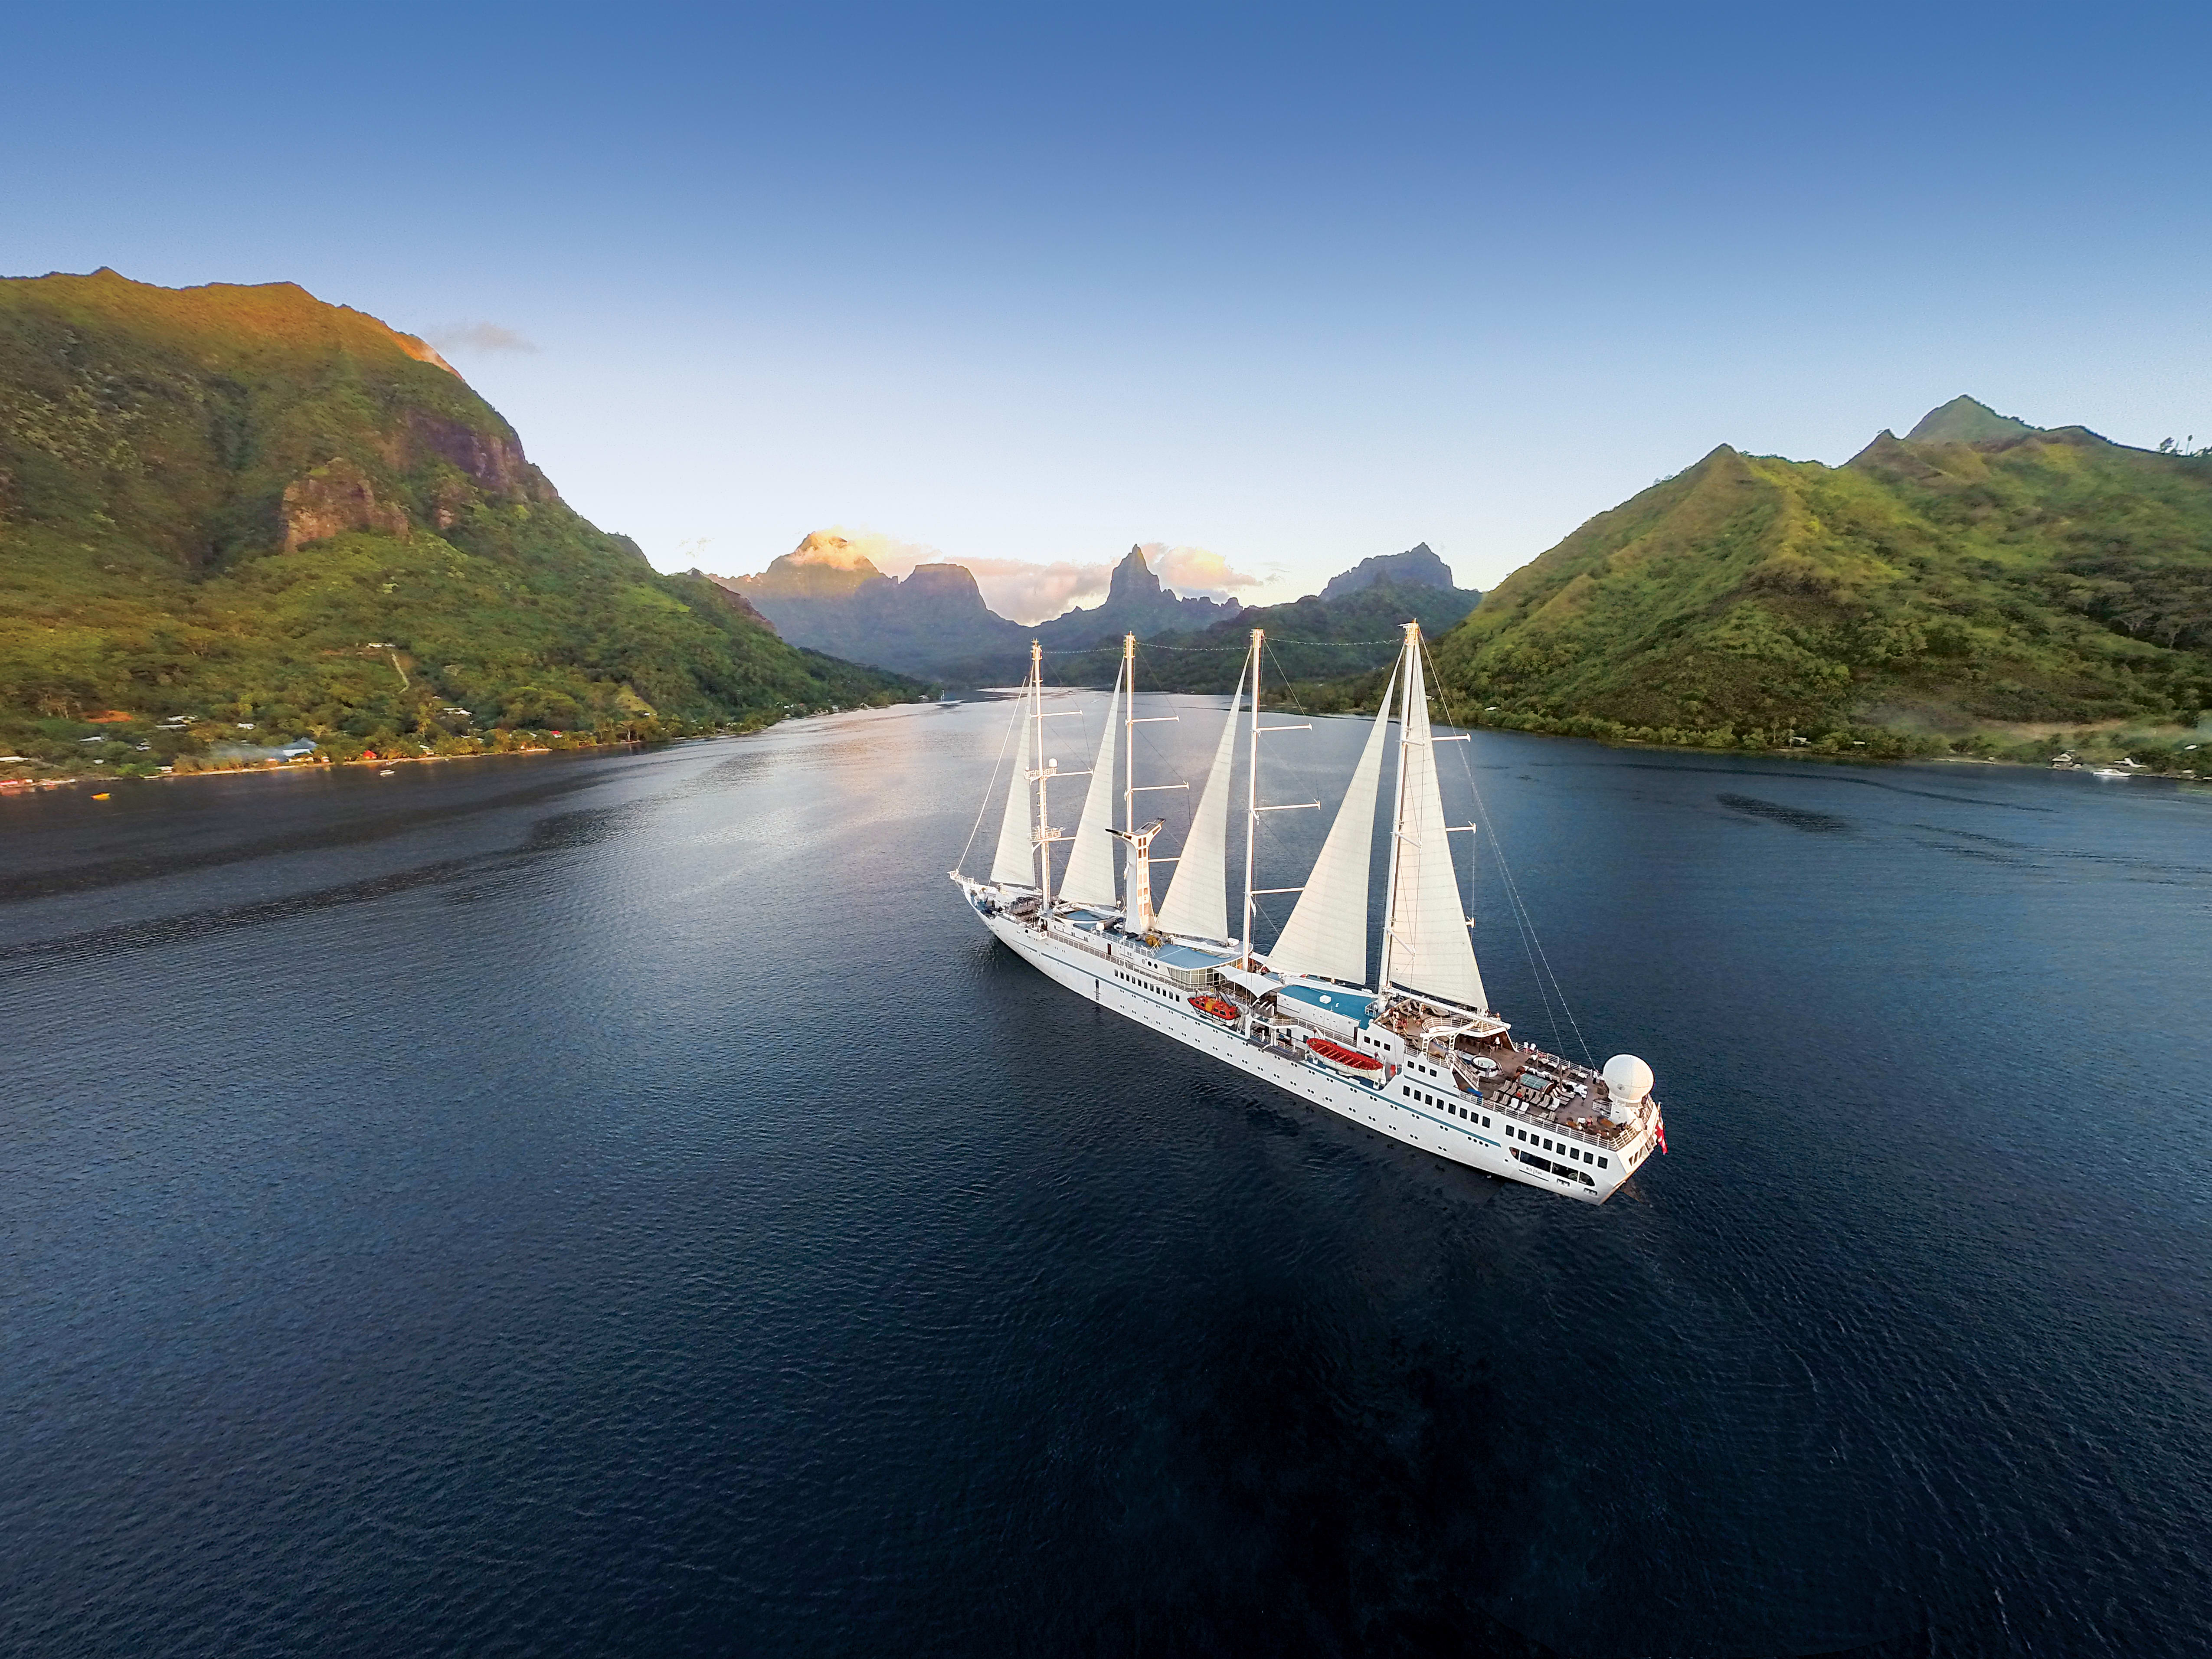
(1468, 1113)
(1132, 980)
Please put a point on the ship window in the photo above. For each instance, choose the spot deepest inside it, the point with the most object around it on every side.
(1600, 1163)
(1486, 1123)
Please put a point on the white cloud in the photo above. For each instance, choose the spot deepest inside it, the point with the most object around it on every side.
(1193, 570)
(477, 336)
(1026, 591)
(887, 553)
(1029, 593)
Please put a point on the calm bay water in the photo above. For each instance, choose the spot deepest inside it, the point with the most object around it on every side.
(625, 1206)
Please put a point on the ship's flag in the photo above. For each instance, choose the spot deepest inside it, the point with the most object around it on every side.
(1660, 1129)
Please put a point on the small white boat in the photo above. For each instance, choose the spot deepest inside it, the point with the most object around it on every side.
(2111, 772)
(387, 772)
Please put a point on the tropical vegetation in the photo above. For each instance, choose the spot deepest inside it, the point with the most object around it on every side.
(2019, 594)
(241, 515)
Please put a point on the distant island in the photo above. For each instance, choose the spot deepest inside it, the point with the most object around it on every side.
(825, 594)
(235, 516)
(1352, 626)
(934, 621)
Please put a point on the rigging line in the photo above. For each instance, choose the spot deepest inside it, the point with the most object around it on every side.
(1269, 837)
(1531, 937)
(1522, 923)
(1149, 645)
(961, 863)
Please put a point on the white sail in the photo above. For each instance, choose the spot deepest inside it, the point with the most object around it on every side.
(1327, 933)
(1089, 879)
(1425, 945)
(1197, 895)
(1015, 863)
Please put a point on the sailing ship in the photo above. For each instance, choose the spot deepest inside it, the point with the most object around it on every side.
(1417, 1053)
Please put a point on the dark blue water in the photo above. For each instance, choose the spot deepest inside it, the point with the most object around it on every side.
(625, 1206)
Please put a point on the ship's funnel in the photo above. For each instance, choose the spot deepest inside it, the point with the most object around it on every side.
(1627, 1081)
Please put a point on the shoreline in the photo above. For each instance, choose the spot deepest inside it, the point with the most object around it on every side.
(10, 787)
(293, 767)
(28, 786)
(1825, 757)
(1830, 756)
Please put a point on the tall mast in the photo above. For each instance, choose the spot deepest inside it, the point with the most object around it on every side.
(1129, 768)
(1409, 666)
(1251, 794)
(1043, 827)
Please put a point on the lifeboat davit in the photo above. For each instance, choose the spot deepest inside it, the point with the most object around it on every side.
(1349, 1061)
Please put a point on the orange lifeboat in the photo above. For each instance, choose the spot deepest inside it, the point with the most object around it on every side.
(1220, 1008)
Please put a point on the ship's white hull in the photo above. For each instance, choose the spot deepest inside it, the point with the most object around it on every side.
(1391, 1109)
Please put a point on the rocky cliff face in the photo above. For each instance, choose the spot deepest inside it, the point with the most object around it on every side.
(333, 498)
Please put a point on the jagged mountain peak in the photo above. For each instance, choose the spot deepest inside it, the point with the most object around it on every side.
(1965, 420)
(1132, 578)
(1417, 567)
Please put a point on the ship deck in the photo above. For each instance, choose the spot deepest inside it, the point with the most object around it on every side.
(1538, 1089)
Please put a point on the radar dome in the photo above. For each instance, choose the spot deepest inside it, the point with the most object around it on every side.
(1627, 1079)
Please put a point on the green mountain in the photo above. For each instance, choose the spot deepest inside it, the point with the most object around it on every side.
(1963, 421)
(1352, 626)
(1981, 595)
(230, 506)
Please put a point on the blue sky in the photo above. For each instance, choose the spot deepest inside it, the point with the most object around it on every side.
(1029, 285)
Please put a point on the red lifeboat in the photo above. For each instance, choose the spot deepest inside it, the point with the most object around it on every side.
(1220, 1008)
(1365, 1067)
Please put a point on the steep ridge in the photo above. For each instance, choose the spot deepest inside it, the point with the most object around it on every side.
(1417, 567)
(228, 506)
(1966, 421)
(1350, 626)
(1136, 603)
(1926, 594)
(826, 595)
